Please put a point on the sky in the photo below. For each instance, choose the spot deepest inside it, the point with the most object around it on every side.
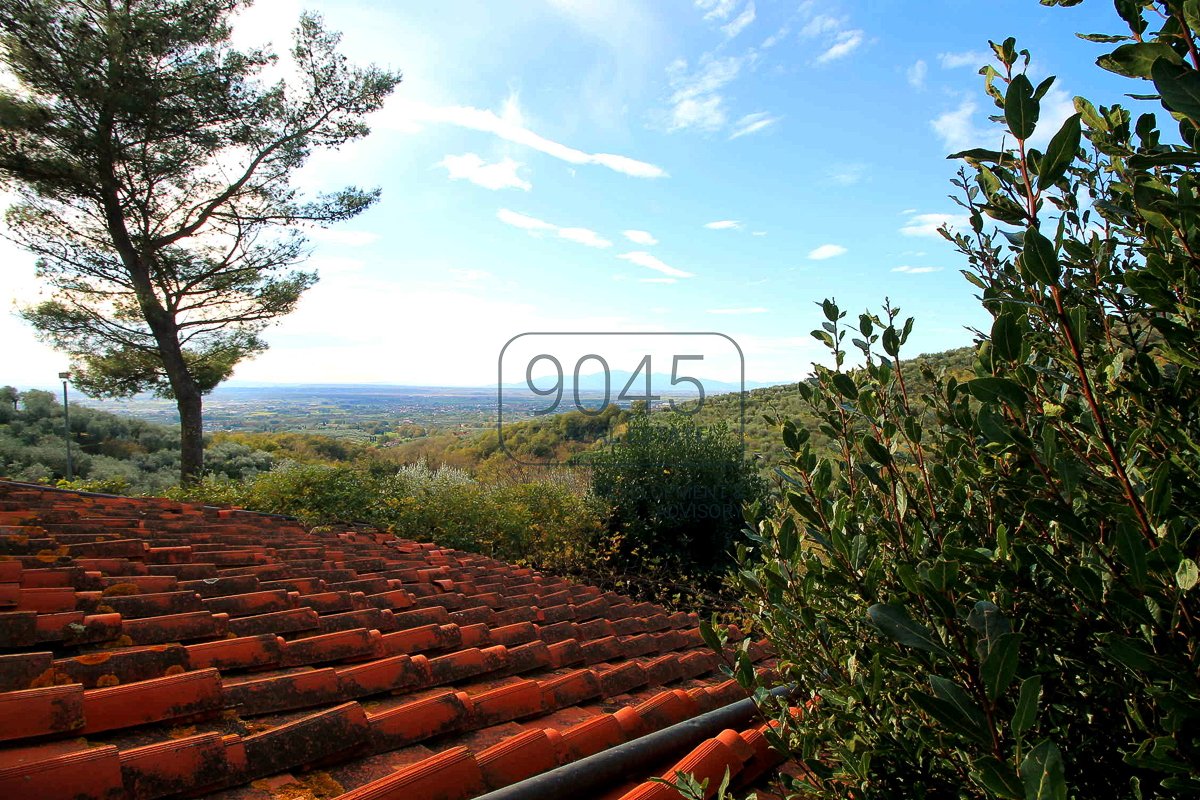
(638, 167)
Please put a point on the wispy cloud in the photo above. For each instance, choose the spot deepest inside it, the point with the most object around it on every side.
(584, 236)
(758, 233)
(644, 238)
(915, 270)
(535, 226)
(928, 224)
(739, 311)
(957, 129)
(471, 167)
(752, 123)
(696, 100)
(967, 58)
(845, 43)
(723, 225)
(716, 9)
(657, 280)
(833, 35)
(741, 22)
(827, 251)
(510, 127)
(916, 74)
(644, 259)
(523, 221)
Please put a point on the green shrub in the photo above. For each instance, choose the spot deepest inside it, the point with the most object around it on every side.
(539, 523)
(991, 590)
(672, 494)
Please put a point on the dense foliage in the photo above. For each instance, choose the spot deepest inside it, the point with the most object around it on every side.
(110, 453)
(997, 597)
(672, 493)
(544, 522)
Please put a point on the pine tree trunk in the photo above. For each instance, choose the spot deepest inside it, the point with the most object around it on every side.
(191, 436)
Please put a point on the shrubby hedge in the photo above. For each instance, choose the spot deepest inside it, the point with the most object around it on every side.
(999, 597)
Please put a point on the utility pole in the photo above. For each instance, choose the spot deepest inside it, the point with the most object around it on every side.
(67, 424)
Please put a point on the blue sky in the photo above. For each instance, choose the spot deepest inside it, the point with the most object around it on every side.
(652, 165)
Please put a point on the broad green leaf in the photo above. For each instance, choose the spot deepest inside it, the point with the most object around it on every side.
(1020, 108)
(969, 716)
(1039, 259)
(895, 623)
(1137, 60)
(1060, 152)
(1042, 773)
(981, 155)
(949, 716)
(1188, 575)
(1000, 665)
(987, 621)
(999, 778)
(1027, 705)
(993, 390)
(876, 450)
(1179, 87)
(845, 385)
(1007, 334)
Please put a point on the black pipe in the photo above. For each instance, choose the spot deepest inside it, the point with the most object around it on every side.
(610, 767)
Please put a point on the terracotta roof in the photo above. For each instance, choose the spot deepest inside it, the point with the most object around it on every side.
(155, 649)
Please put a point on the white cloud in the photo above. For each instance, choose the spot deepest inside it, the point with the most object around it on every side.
(957, 128)
(723, 225)
(695, 100)
(584, 236)
(640, 237)
(716, 9)
(845, 44)
(657, 280)
(821, 25)
(827, 251)
(928, 224)
(534, 225)
(523, 221)
(742, 21)
(758, 233)
(836, 39)
(739, 311)
(916, 74)
(644, 259)
(501, 175)
(400, 116)
(967, 58)
(915, 270)
(752, 123)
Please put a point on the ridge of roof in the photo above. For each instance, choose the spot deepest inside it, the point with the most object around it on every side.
(153, 649)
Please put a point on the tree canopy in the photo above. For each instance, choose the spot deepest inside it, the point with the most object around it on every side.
(153, 166)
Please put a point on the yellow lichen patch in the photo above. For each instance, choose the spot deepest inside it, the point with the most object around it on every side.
(314, 786)
(51, 677)
(93, 658)
(18, 538)
(121, 589)
(182, 731)
(322, 785)
(103, 609)
(255, 726)
(175, 669)
(107, 680)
